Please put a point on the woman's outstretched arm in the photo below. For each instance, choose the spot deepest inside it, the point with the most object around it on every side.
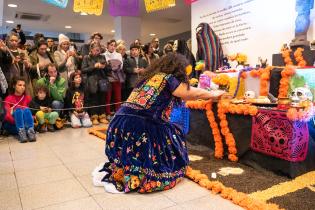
(196, 93)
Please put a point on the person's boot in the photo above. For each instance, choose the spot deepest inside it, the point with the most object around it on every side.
(102, 119)
(43, 128)
(22, 135)
(94, 120)
(109, 118)
(50, 128)
(31, 135)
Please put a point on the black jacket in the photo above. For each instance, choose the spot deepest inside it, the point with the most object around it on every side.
(129, 66)
(36, 104)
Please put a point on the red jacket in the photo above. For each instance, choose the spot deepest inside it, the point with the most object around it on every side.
(10, 101)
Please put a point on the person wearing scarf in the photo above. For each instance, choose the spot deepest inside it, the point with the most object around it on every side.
(65, 57)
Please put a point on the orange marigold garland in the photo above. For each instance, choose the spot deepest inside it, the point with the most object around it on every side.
(218, 144)
(298, 55)
(224, 107)
(305, 115)
(264, 75)
(244, 75)
(236, 197)
(286, 74)
(264, 80)
(286, 57)
(207, 105)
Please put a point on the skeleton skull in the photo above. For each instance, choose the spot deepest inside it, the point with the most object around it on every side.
(175, 46)
(249, 95)
(301, 94)
(278, 140)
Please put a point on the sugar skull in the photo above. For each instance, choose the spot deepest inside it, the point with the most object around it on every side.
(279, 135)
(278, 140)
(249, 94)
(301, 94)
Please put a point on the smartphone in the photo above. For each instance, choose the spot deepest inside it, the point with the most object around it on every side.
(71, 48)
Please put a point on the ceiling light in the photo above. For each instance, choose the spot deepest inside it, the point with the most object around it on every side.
(12, 5)
(172, 5)
(152, 34)
(113, 31)
(9, 21)
(68, 26)
(83, 13)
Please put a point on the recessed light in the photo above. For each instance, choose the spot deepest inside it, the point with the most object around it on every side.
(9, 21)
(113, 31)
(83, 13)
(68, 26)
(152, 34)
(12, 5)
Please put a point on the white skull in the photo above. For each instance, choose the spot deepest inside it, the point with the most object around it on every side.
(301, 94)
(249, 94)
(175, 45)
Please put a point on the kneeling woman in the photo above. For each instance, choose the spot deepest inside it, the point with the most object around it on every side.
(146, 152)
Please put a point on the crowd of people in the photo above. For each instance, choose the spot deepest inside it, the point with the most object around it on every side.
(49, 81)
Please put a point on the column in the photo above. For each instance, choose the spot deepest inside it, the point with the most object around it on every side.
(127, 29)
(1, 12)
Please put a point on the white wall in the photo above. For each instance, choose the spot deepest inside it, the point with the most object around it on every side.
(259, 27)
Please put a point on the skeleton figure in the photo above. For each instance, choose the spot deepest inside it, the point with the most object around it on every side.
(300, 94)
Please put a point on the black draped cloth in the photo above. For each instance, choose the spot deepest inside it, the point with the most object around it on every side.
(240, 126)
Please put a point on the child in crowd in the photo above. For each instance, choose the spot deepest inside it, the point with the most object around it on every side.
(41, 108)
(75, 99)
(18, 118)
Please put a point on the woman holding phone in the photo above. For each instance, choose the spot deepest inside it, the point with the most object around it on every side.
(66, 57)
(94, 69)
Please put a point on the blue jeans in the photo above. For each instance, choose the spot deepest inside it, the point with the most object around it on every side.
(23, 119)
(57, 105)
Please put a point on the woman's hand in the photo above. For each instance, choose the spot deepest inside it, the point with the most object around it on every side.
(193, 93)
(217, 93)
(99, 65)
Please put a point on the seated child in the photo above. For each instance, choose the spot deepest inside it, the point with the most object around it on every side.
(18, 118)
(75, 97)
(41, 108)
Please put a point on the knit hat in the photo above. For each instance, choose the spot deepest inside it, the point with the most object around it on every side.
(63, 38)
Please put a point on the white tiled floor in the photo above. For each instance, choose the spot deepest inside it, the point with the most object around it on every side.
(54, 173)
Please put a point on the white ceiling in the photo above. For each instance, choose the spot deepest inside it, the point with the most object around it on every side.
(163, 23)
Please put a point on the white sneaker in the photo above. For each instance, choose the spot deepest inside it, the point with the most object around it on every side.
(110, 188)
(97, 169)
(97, 179)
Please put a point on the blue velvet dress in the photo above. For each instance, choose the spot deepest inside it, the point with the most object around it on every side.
(146, 152)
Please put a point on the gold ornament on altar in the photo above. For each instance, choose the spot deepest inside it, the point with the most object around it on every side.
(88, 6)
(154, 5)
